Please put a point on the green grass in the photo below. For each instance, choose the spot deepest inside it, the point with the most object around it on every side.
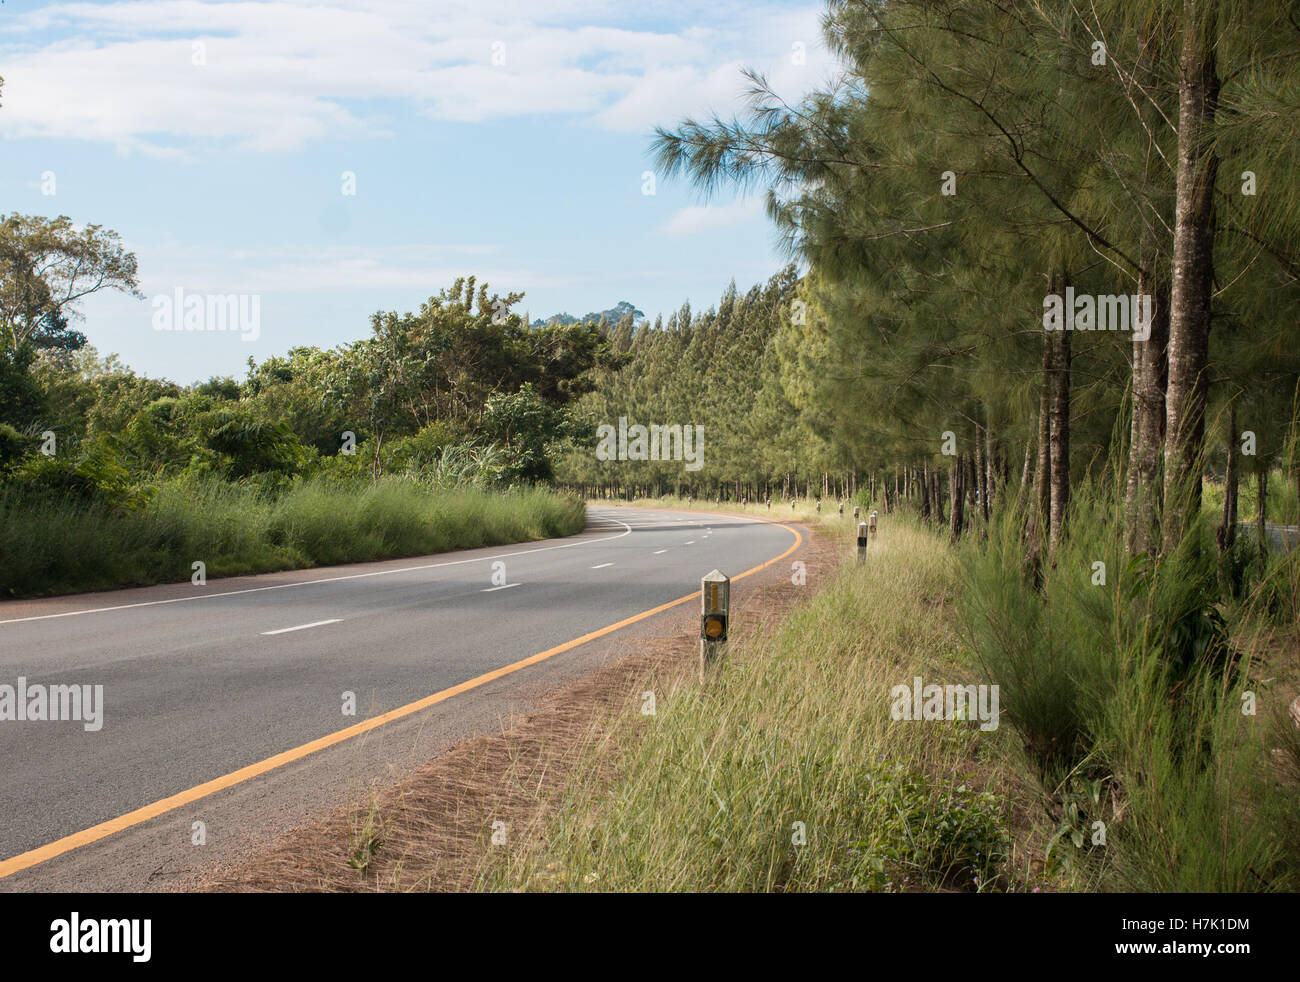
(69, 546)
(792, 727)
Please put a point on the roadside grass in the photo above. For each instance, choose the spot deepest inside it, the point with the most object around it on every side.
(783, 770)
(1127, 683)
(68, 545)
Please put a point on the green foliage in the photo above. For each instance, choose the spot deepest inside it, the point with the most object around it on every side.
(720, 369)
(224, 388)
(249, 446)
(966, 156)
(524, 425)
(22, 400)
(923, 834)
(613, 315)
(13, 447)
(462, 394)
(1082, 805)
(47, 266)
(97, 477)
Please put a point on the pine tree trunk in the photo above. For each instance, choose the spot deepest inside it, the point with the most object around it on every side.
(986, 497)
(1227, 533)
(1042, 499)
(1023, 491)
(1150, 356)
(956, 496)
(1261, 517)
(376, 468)
(1059, 412)
(1193, 272)
(1147, 432)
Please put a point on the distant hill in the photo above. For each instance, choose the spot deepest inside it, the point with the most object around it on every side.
(615, 314)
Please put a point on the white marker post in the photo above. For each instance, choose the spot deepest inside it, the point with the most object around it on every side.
(862, 542)
(871, 522)
(715, 602)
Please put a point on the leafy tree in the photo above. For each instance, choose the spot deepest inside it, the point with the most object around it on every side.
(47, 266)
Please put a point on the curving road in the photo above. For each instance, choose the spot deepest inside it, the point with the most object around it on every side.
(204, 686)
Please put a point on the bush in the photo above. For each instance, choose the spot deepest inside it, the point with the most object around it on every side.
(922, 833)
(96, 477)
(13, 447)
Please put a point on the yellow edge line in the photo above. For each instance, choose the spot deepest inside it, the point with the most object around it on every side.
(114, 825)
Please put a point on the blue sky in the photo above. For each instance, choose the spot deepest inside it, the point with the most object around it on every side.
(502, 139)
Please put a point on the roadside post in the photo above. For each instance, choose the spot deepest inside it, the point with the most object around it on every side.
(855, 513)
(871, 522)
(862, 542)
(715, 602)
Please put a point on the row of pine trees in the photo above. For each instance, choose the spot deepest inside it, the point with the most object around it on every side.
(973, 160)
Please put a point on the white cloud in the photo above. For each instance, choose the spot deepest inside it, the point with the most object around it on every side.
(317, 268)
(280, 74)
(703, 218)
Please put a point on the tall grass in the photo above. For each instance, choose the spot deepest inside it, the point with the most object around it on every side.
(66, 545)
(791, 727)
(1126, 684)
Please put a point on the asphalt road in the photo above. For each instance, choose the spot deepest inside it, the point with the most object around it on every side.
(1280, 537)
(201, 682)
